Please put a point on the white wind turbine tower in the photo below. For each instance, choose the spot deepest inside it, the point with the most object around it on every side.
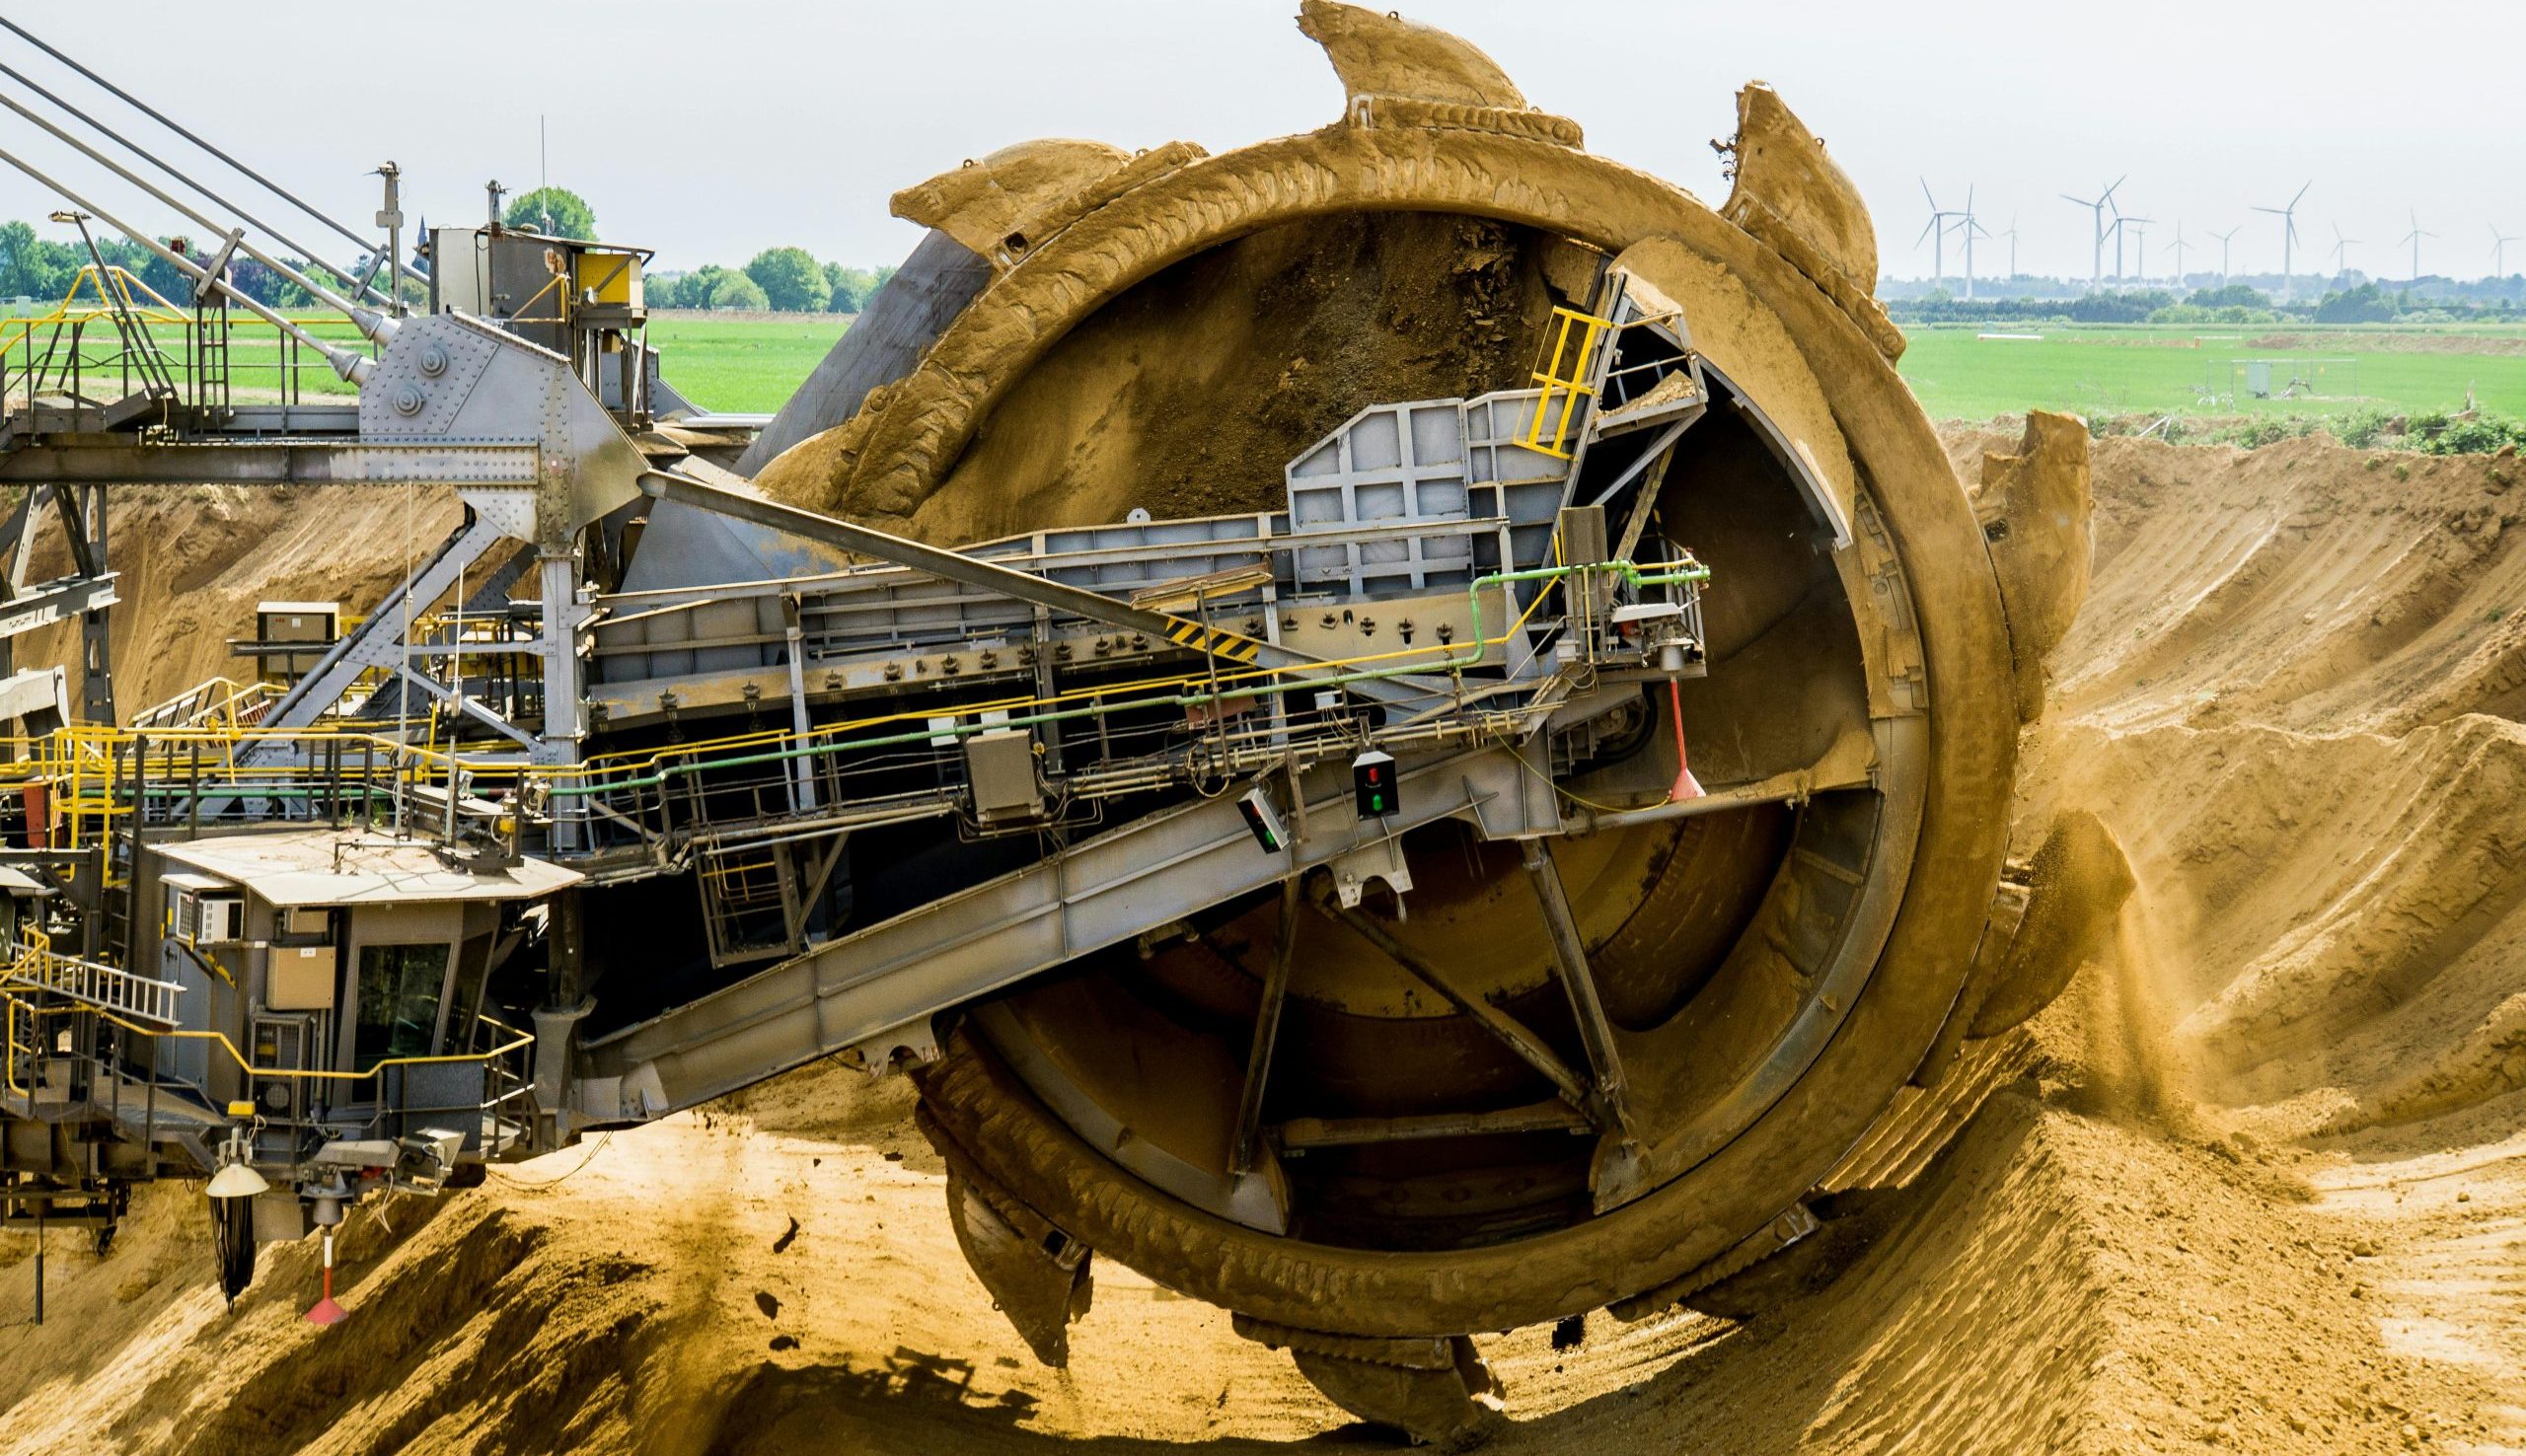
(2223, 251)
(2011, 235)
(2288, 237)
(2413, 237)
(2097, 207)
(2179, 248)
(1970, 226)
(2341, 246)
(1936, 232)
(2140, 228)
(2499, 251)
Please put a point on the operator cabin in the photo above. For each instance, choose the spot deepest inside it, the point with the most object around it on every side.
(337, 950)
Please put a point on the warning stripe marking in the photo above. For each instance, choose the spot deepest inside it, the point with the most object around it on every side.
(1217, 643)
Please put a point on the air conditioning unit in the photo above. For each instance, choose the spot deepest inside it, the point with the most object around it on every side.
(208, 916)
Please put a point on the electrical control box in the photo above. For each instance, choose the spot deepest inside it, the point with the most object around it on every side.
(1002, 766)
(299, 978)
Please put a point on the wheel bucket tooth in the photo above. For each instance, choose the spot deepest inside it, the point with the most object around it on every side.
(1436, 1389)
(1789, 1228)
(2038, 518)
(1041, 1281)
(1456, 1408)
(2077, 886)
(1798, 201)
(1618, 1173)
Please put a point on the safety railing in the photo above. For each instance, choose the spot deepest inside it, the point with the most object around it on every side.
(219, 703)
(35, 965)
(214, 358)
(25, 1008)
(1569, 387)
(889, 764)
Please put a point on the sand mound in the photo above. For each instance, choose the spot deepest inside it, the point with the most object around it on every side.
(193, 560)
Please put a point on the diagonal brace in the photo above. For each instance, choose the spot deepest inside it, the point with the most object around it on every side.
(1512, 1033)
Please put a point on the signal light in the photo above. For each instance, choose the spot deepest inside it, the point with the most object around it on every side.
(1263, 821)
(1372, 784)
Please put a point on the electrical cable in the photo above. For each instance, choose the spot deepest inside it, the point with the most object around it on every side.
(597, 1148)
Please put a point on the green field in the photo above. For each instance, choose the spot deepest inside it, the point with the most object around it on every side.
(742, 365)
(2197, 370)
(753, 364)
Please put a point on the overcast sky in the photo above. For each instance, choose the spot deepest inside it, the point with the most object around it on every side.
(708, 130)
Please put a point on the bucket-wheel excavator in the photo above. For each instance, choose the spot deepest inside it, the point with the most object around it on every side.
(1476, 823)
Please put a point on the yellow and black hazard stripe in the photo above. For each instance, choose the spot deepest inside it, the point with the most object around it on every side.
(1222, 644)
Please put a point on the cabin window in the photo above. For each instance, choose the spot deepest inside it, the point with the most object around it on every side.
(400, 987)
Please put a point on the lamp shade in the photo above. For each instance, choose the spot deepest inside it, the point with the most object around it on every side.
(236, 1180)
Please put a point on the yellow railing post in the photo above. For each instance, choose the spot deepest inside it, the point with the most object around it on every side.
(1568, 388)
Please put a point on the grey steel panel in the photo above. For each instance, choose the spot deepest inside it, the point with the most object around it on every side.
(277, 463)
(293, 419)
(685, 546)
(48, 605)
(1387, 463)
(991, 576)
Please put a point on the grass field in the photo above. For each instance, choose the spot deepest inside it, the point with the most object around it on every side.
(2194, 370)
(742, 365)
(753, 364)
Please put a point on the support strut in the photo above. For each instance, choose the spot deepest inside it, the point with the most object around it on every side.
(1570, 961)
(1512, 1033)
(1267, 1029)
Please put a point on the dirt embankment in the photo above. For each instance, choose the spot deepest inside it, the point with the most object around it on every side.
(2266, 1190)
(192, 562)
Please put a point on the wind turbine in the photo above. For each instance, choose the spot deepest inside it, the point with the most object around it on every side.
(2413, 237)
(2097, 207)
(2140, 228)
(2178, 248)
(2498, 252)
(2288, 237)
(1968, 225)
(2011, 235)
(2223, 251)
(2341, 246)
(1936, 232)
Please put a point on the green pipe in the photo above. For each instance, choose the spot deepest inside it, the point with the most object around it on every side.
(1632, 576)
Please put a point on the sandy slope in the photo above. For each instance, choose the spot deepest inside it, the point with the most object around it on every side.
(2268, 1191)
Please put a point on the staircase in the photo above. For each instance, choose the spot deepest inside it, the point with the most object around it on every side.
(35, 967)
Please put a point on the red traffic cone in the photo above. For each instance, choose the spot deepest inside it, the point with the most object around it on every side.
(325, 1311)
(1686, 786)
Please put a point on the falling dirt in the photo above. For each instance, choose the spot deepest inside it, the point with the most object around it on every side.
(2266, 1188)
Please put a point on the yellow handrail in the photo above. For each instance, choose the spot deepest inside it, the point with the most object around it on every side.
(519, 1041)
(1590, 329)
(79, 759)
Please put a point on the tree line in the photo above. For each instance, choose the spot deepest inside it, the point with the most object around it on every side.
(782, 280)
(2234, 303)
